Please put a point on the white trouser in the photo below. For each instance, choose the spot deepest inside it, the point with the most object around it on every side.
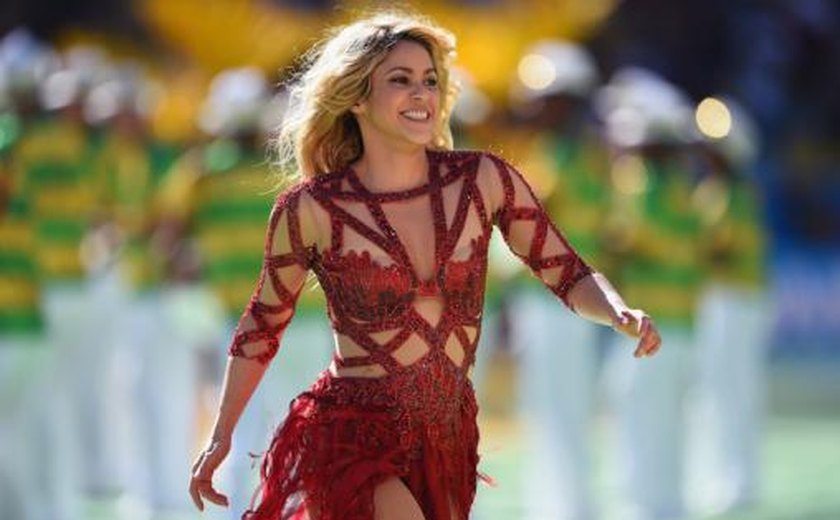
(84, 329)
(647, 396)
(558, 355)
(305, 351)
(730, 398)
(72, 396)
(24, 428)
(161, 380)
(101, 384)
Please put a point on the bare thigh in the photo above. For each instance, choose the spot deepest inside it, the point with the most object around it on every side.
(392, 501)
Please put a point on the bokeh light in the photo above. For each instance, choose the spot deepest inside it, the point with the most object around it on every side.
(713, 118)
(536, 72)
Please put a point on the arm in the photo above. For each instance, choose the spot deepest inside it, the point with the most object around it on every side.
(534, 238)
(289, 245)
(596, 299)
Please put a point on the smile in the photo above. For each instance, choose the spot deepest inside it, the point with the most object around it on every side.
(416, 115)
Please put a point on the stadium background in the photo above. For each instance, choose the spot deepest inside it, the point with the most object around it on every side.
(782, 59)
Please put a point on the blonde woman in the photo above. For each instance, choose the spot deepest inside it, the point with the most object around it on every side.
(395, 225)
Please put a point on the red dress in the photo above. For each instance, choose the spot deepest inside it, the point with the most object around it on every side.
(417, 419)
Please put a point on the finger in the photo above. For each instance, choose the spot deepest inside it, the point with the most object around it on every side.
(214, 496)
(649, 341)
(640, 349)
(652, 342)
(656, 343)
(644, 330)
(196, 496)
(644, 326)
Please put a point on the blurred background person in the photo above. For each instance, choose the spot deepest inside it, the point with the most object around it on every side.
(655, 236)
(157, 378)
(780, 60)
(55, 155)
(734, 316)
(222, 190)
(22, 339)
(561, 148)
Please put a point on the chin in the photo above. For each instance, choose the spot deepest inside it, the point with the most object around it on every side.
(424, 142)
(420, 138)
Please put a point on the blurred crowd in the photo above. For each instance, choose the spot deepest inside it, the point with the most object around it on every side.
(130, 242)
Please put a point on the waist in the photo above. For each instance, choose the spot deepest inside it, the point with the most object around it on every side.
(430, 391)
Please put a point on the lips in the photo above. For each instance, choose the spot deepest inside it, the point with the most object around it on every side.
(417, 115)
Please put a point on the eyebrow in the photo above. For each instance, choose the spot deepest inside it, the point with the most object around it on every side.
(407, 69)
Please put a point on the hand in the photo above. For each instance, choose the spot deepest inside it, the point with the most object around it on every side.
(201, 483)
(636, 324)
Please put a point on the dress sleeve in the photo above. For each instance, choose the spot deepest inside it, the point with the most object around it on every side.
(532, 236)
(285, 266)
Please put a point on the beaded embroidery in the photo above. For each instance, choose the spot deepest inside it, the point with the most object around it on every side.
(365, 296)
(417, 418)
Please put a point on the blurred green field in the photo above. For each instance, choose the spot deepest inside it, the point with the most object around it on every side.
(801, 455)
(801, 474)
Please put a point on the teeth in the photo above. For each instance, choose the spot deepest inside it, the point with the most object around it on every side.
(417, 115)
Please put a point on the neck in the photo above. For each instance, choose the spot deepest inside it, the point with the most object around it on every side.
(384, 169)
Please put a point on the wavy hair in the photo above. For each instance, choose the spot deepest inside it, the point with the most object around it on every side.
(319, 134)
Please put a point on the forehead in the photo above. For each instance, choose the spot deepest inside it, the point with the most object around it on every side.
(408, 54)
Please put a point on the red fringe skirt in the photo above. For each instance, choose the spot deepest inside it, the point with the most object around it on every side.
(345, 436)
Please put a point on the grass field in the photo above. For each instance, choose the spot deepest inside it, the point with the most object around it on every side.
(800, 455)
(800, 458)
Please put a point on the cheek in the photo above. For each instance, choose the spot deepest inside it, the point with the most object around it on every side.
(387, 101)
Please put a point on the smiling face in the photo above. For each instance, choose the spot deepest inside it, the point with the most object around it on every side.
(404, 100)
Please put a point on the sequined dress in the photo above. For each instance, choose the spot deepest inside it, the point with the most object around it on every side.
(403, 273)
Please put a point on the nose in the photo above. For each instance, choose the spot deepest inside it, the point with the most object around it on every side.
(418, 92)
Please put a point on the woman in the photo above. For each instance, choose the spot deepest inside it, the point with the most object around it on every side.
(395, 226)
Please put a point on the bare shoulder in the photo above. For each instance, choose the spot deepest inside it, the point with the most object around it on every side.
(488, 177)
(299, 199)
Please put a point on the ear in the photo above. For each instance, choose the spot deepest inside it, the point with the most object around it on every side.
(359, 108)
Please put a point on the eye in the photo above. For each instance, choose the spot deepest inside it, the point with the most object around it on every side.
(401, 80)
(431, 81)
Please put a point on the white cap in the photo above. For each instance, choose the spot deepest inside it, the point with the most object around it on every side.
(552, 67)
(26, 61)
(639, 107)
(60, 89)
(235, 102)
(125, 90)
(82, 67)
(90, 63)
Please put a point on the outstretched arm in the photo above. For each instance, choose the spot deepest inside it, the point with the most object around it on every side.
(289, 244)
(534, 238)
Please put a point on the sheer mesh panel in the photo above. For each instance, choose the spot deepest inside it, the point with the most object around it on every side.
(533, 237)
(404, 271)
(285, 265)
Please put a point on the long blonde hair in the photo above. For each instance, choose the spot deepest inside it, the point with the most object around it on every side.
(319, 134)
